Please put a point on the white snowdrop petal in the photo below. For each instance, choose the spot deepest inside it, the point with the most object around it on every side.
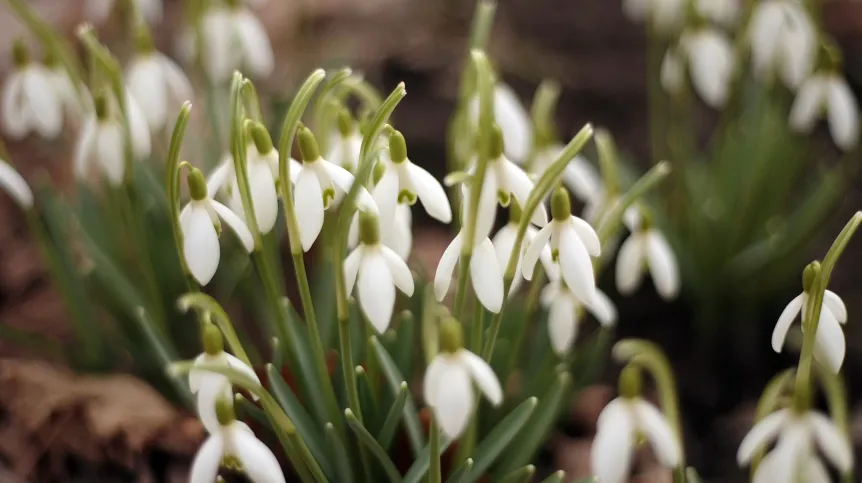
(785, 320)
(207, 460)
(672, 72)
(195, 375)
(808, 104)
(376, 290)
(659, 433)
(791, 447)
(443, 276)
(400, 271)
(629, 269)
(351, 268)
(768, 469)
(520, 185)
(236, 363)
(256, 47)
(534, 249)
(436, 369)
(14, 184)
(829, 346)
(710, 61)
(235, 223)
(431, 194)
(603, 309)
(667, 15)
(581, 178)
(15, 123)
(385, 194)
(587, 235)
(454, 400)
(344, 180)
(504, 243)
(550, 293)
(220, 175)
(178, 83)
(400, 236)
(148, 87)
(219, 55)
(150, 9)
(258, 462)
(308, 199)
(44, 105)
(264, 198)
(200, 245)
(486, 276)
(212, 387)
(835, 305)
(843, 114)
(514, 122)
(483, 376)
(611, 454)
(109, 149)
(487, 209)
(831, 441)
(562, 323)
(815, 471)
(760, 435)
(662, 265)
(763, 30)
(139, 130)
(576, 268)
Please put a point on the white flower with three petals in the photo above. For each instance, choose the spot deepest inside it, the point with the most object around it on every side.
(564, 313)
(646, 248)
(827, 94)
(15, 186)
(829, 346)
(30, 102)
(513, 120)
(234, 39)
(157, 83)
(783, 41)
(709, 56)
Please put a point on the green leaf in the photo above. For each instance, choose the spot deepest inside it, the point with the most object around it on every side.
(521, 475)
(390, 424)
(556, 477)
(339, 453)
(420, 466)
(366, 439)
(499, 438)
(394, 379)
(458, 475)
(367, 398)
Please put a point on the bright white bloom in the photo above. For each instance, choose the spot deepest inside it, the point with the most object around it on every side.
(621, 423)
(827, 93)
(448, 388)
(200, 224)
(709, 57)
(513, 120)
(579, 175)
(236, 442)
(646, 248)
(234, 39)
(14, 184)
(159, 85)
(795, 457)
(564, 313)
(485, 272)
(101, 142)
(99, 10)
(30, 102)
(783, 41)
(829, 347)
(664, 15)
(504, 244)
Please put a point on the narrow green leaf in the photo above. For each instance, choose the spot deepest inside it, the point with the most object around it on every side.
(342, 462)
(390, 424)
(521, 475)
(458, 475)
(365, 438)
(556, 477)
(394, 379)
(499, 438)
(163, 351)
(417, 471)
(367, 398)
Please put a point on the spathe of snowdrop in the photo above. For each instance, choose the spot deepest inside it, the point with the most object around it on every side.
(30, 103)
(647, 248)
(156, 82)
(565, 311)
(234, 445)
(346, 144)
(234, 39)
(210, 386)
(99, 10)
(200, 222)
(799, 435)
(829, 346)
(579, 175)
(504, 244)
(101, 143)
(826, 93)
(783, 41)
(709, 58)
(513, 120)
(665, 16)
(376, 270)
(619, 427)
(572, 241)
(449, 380)
(318, 184)
(15, 186)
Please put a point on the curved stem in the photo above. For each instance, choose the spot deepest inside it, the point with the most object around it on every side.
(206, 304)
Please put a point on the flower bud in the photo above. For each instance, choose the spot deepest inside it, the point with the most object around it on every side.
(451, 335)
(369, 228)
(561, 206)
(809, 275)
(261, 138)
(308, 147)
(197, 184)
(397, 147)
(224, 411)
(630, 382)
(212, 339)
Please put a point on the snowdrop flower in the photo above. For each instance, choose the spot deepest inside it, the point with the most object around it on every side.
(646, 248)
(235, 446)
(579, 175)
(378, 270)
(14, 184)
(30, 103)
(709, 57)
(210, 386)
(827, 93)
(504, 244)
(99, 10)
(449, 379)
(829, 346)
(663, 15)
(572, 241)
(318, 184)
(156, 82)
(619, 427)
(345, 145)
(783, 41)
(395, 232)
(513, 120)
(101, 143)
(201, 226)
(234, 39)
(564, 313)
(794, 457)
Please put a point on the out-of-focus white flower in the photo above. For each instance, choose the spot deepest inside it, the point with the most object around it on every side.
(200, 225)
(76, 101)
(234, 39)
(795, 457)
(30, 103)
(621, 423)
(579, 175)
(345, 143)
(672, 74)
(709, 57)
(646, 248)
(99, 10)
(379, 271)
(564, 313)
(156, 82)
(663, 15)
(504, 244)
(485, 273)
(829, 346)
(513, 120)
(783, 41)
(827, 93)
(14, 184)
(101, 143)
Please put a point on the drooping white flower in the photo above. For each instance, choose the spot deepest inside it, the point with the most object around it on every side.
(15, 186)
(157, 83)
(379, 270)
(234, 39)
(829, 346)
(709, 57)
(101, 142)
(318, 184)
(621, 423)
(30, 103)
(345, 143)
(99, 10)
(795, 456)
(200, 224)
(564, 313)
(572, 241)
(647, 248)
(504, 244)
(449, 379)
(827, 94)
(513, 120)
(663, 15)
(234, 442)
(783, 41)
(579, 175)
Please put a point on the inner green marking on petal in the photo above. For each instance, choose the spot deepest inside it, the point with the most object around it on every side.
(555, 254)
(407, 197)
(231, 462)
(328, 197)
(504, 198)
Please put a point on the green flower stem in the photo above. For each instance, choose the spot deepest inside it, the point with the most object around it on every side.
(434, 472)
(478, 323)
(609, 163)
(238, 149)
(770, 400)
(206, 304)
(613, 219)
(250, 100)
(530, 309)
(322, 106)
(480, 32)
(172, 184)
(542, 113)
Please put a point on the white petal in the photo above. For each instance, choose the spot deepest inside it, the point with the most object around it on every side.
(212, 387)
(483, 376)
(808, 104)
(14, 122)
(843, 114)
(534, 249)
(264, 198)
(788, 315)
(603, 309)
(43, 102)
(139, 130)
(436, 369)
(763, 30)
(815, 472)
(344, 180)
(576, 268)
(207, 460)
(667, 14)
(672, 72)
(834, 445)
(255, 44)
(235, 224)
(760, 435)
(150, 9)
(109, 149)
(15, 185)
(386, 194)
(235, 363)
(200, 245)
(587, 236)
(829, 346)
(487, 209)
(662, 265)
(431, 194)
(195, 375)
(835, 305)
(258, 462)
(178, 83)
(486, 276)
(562, 323)
(351, 268)
(520, 185)
(710, 61)
(376, 290)
(611, 455)
(797, 45)
(657, 430)
(504, 244)
(514, 122)
(309, 207)
(148, 87)
(581, 177)
(400, 271)
(792, 445)
(400, 235)
(219, 176)
(443, 276)
(771, 469)
(454, 400)
(630, 259)
(220, 57)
